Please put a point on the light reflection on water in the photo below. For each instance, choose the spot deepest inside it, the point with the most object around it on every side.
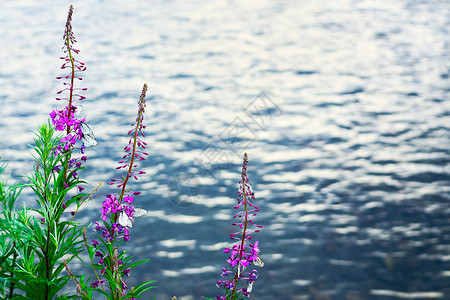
(350, 167)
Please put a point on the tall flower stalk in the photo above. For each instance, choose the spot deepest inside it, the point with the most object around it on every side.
(244, 252)
(117, 214)
(66, 120)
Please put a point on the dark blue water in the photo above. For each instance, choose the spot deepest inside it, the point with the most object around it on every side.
(342, 106)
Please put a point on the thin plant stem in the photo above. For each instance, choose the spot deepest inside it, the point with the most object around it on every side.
(86, 244)
(11, 287)
(74, 279)
(236, 277)
(69, 111)
(47, 263)
(78, 206)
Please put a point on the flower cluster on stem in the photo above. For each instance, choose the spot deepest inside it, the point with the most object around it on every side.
(118, 209)
(64, 119)
(244, 252)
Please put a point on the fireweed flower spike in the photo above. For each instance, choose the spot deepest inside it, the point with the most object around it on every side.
(243, 253)
(117, 214)
(64, 119)
(123, 202)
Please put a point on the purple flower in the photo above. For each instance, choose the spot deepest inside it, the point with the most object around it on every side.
(128, 199)
(126, 235)
(225, 272)
(64, 119)
(99, 282)
(239, 259)
(126, 272)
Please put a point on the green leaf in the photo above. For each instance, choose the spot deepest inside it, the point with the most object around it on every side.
(138, 263)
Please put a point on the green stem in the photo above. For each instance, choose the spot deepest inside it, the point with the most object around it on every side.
(11, 287)
(47, 263)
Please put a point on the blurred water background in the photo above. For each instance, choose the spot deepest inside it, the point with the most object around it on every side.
(342, 106)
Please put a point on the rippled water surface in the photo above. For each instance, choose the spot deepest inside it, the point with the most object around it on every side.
(342, 106)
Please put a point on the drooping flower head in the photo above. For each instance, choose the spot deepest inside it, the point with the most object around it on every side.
(243, 253)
